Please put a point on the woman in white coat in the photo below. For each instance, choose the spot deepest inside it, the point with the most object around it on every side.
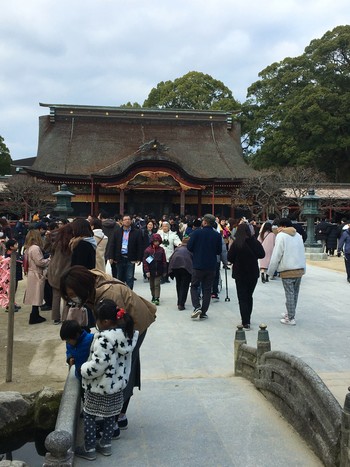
(170, 240)
(37, 268)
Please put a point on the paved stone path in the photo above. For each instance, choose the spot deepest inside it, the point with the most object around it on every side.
(192, 411)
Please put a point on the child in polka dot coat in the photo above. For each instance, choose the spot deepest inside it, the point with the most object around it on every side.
(105, 375)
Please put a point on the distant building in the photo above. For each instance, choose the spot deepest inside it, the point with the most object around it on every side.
(142, 160)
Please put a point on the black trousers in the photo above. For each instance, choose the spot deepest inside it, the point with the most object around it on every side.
(245, 289)
(183, 280)
(205, 278)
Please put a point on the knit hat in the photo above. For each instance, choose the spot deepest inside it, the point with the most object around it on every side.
(156, 238)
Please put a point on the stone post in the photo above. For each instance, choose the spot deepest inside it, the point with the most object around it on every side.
(263, 343)
(58, 444)
(345, 433)
(239, 340)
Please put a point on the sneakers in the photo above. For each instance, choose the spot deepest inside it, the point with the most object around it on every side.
(286, 320)
(46, 307)
(247, 327)
(123, 423)
(153, 300)
(104, 450)
(116, 433)
(203, 316)
(156, 301)
(57, 321)
(180, 307)
(196, 312)
(89, 454)
(215, 296)
(284, 315)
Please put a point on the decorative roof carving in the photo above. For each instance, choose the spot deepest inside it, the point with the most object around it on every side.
(153, 145)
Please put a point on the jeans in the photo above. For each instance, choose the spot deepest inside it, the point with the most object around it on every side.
(347, 264)
(206, 278)
(126, 271)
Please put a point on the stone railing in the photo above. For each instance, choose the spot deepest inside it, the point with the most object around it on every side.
(300, 396)
(60, 442)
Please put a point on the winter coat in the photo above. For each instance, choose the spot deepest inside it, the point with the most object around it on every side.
(34, 294)
(142, 311)
(135, 245)
(288, 256)
(101, 245)
(157, 267)
(60, 261)
(332, 237)
(83, 252)
(146, 237)
(344, 242)
(180, 259)
(245, 259)
(80, 352)
(108, 369)
(268, 243)
(205, 244)
(320, 230)
(170, 240)
(109, 228)
(20, 231)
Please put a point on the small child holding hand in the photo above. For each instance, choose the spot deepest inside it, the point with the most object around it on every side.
(78, 343)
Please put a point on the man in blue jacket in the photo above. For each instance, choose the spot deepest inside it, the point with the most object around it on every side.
(205, 244)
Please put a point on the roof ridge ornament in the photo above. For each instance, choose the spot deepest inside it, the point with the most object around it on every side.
(153, 145)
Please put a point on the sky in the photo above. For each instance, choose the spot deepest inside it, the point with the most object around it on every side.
(110, 52)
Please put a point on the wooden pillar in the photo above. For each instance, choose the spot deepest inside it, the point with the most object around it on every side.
(121, 201)
(199, 208)
(213, 201)
(182, 202)
(96, 201)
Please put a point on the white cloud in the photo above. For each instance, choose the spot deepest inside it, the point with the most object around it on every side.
(108, 52)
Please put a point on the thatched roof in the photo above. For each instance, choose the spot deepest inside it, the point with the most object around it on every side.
(106, 142)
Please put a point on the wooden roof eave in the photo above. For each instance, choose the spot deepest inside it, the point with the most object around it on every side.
(58, 178)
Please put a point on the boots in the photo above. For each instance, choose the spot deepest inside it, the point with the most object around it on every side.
(263, 280)
(34, 317)
(267, 278)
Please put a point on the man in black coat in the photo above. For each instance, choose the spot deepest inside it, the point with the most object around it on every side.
(205, 244)
(125, 250)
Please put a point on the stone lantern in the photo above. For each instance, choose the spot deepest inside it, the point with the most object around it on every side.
(63, 207)
(313, 250)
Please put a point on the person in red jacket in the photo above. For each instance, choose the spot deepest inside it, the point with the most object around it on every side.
(155, 267)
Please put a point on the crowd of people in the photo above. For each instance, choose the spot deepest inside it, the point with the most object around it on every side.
(104, 322)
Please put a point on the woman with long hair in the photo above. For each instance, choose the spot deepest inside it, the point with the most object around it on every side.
(61, 257)
(83, 244)
(267, 239)
(244, 254)
(37, 264)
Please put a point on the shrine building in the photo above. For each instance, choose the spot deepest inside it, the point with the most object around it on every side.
(142, 160)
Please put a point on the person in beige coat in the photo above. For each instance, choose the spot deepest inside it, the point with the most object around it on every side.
(101, 242)
(61, 257)
(84, 286)
(37, 267)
